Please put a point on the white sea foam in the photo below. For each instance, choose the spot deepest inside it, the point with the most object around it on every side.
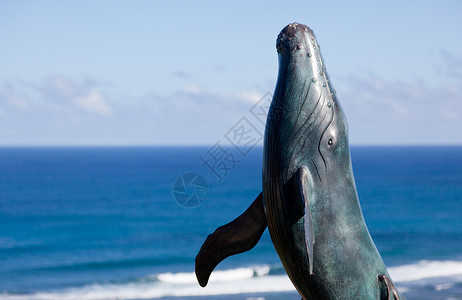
(235, 281)
(426, 269)
(217, 276)
(264, 284)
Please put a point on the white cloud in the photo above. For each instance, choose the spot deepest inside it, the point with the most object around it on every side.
(196, 115)
(192, 89)
(62, 86)
(93, 102)
(56, 93)
(60, 110)
(10, 96)
(385, 112)
(415, 100)
(250, 96)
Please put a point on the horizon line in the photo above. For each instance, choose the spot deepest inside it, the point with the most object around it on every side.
(207, 145)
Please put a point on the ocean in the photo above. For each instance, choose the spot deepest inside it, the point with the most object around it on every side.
(127, 222)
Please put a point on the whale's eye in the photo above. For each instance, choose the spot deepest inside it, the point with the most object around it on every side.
(330, 142)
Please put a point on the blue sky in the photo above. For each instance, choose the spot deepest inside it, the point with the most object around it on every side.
(184, 72)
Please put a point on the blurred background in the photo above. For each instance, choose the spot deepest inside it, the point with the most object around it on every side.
(159, 73)
(111, 113)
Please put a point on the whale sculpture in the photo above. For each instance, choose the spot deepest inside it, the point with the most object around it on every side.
(309, 201)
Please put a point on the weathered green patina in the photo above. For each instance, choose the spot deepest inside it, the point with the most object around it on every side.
(309, 200)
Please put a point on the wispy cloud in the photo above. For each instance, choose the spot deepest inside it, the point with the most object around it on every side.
(11, 97)
(451, 65)
(73, 112)
(181, 74)
(62, 110)
(63, 91)
(387, 112)
(55, 93)
(93, 101)
(195, 115)
(250, 96)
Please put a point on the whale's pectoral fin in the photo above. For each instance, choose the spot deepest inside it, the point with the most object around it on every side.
(305, 190)
(299, 189)
(238, 236)
(388, 290)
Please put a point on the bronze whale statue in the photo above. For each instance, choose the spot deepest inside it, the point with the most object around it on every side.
(309, 201)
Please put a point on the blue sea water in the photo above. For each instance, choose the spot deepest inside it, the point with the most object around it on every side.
(104, 223)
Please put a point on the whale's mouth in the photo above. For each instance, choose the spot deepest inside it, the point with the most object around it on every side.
(294, 37)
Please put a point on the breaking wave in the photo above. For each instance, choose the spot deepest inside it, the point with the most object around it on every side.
(255, 279)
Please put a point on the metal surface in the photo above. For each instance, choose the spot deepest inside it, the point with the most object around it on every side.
(309, 193)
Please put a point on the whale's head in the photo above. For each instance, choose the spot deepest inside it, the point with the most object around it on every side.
(305, 119)
(295, 37)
